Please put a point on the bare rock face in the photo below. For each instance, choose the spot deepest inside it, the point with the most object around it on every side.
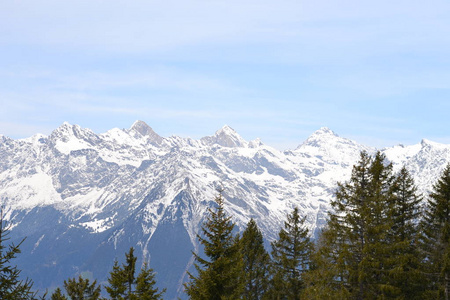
(141, 129)
(83, 199)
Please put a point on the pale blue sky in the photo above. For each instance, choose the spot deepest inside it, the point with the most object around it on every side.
(377, 72)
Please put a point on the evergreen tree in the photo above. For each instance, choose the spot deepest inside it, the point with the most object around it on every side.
(436, 237)
(129, 269)
(377, 250)
(117, 282)
(82, 289)
(256, 262)
(359, 228)
(58, 295)
(291, 256)
(404, 259)
(324, 279)
(122, 278)
(219, 276)
(124, 285)
(11, 286)
(145, 285)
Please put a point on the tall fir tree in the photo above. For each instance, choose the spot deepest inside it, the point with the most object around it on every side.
(220, 275)
(82, 289)
(11, 286)
(347, 229)
(324, 279)
(436, 237)
(256, 262)
(404, 254)
(377, 262)
(291, 258)
(359, 227)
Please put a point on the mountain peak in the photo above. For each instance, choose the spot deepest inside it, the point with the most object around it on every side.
(64, 130)
(322, 137)
(428, 143)
(227, 137)
(255, 143)
(226, 130)
(67, 129)
(64, 126)
(141, 129)
(325, 131)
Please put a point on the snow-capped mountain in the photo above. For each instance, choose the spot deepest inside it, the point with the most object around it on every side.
(82, 199)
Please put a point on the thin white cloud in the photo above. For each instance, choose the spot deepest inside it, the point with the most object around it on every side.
(140, 26)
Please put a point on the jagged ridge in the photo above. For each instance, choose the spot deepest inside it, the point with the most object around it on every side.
(99, 194)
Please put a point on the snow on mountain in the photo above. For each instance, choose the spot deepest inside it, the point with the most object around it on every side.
(140, 130)
(226, 137)
(425, 161)
(72, 137)
(83, 199)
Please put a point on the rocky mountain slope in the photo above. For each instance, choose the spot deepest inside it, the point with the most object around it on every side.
(82, 199)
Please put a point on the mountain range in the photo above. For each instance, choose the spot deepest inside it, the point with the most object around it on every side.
(83, 199)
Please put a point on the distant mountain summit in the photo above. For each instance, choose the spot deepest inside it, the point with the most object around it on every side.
(82, 199)
(226, 137)
(141, 129)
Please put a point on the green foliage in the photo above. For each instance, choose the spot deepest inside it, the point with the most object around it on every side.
(291, 257)
(117, 282)
(256, 262)
(11, 286)
(123, 284)
(219, 276)
(82, 289)
(58, 295)
(436, 237)
(404, 258)
(145, 285)
(129, 268)
(323, 280)
(369, 248)
(358, 229)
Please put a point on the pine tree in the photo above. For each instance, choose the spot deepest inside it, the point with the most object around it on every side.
(404, 259)
(124, 285)
(436, 237)
(117, 282)
(324, 279)
(11, 286)
(359, 228)
(377, 261)
(58, 295)
(291, 256)
(348, 225)
(145, 285)
(129, 269)
(82, 289)
(219, 276)
(256, 262)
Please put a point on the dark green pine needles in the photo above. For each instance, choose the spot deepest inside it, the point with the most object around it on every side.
(220, 274)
